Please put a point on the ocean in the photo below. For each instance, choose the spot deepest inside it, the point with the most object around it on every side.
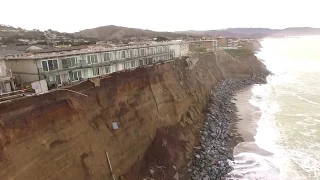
(286, 137)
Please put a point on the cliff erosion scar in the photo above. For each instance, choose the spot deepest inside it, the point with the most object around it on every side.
(158, 109)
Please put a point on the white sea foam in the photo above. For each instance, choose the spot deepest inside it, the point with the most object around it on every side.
(251, 162)
(289, 126)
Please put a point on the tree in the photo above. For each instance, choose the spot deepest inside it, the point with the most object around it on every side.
(161, 38)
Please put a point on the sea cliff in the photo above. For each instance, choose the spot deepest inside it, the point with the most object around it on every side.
(158, 109)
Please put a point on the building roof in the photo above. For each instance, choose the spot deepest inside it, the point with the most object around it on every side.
(74, 51)
(19, 50)
(33, 48)
(40, 50)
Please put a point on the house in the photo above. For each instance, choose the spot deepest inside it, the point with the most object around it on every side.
(208, 45)
(222, 41)
(72, 65)
(226, 43)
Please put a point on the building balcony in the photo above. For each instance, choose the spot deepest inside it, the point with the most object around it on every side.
(83, 63)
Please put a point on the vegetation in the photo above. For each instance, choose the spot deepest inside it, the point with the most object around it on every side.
(161, 38)
(201, 49)
(242, 52)
(118, 32)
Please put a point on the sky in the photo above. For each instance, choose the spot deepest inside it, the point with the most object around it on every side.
(164, 15)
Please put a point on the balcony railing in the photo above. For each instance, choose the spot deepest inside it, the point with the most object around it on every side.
(42, 70)
(83, 63)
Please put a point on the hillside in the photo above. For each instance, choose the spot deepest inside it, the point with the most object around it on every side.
(17, 36)
(118, 32)
(257, 32)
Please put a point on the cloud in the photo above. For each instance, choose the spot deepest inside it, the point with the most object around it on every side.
(165, 15)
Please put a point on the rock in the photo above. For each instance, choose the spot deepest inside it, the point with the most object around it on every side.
(189, 163)
(190, 114)
(176, 176)
(183, 124)
(188, 120)
(164, 142)
(151, 171)
(198, 148)
(213, 154)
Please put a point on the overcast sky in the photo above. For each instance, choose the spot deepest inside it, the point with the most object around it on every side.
(163, 15)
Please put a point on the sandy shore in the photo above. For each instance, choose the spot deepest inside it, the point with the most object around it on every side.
(245, 128)
(248, 115)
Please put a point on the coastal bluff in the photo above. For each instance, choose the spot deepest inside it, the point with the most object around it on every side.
(158, 111)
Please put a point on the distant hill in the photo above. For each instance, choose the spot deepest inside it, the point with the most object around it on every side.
(257, 32)
(17, 36)
(118, 32)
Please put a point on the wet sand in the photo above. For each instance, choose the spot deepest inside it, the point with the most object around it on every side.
(246, 126)
(247, 113)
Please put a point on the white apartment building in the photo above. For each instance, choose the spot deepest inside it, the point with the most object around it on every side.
(64, 67)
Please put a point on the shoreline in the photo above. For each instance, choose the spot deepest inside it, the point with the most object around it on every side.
(247, 123)
(219, 135)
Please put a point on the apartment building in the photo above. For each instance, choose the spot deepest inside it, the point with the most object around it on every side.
(60, 68)
(226, 43)
(208, 45)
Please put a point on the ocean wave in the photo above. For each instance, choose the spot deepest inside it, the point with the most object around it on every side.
(253, 166)
(254, 160)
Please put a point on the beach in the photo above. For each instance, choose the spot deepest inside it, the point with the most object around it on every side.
(246, 125)
(224, 128)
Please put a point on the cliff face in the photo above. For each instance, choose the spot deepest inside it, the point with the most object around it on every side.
(63, 135)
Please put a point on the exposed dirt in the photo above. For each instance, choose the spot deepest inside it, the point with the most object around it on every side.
(62, 135)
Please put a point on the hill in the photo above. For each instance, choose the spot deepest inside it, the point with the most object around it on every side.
(257, 32)
(118, 32)
(17, 36)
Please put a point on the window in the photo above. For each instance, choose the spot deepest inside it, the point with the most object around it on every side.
(69, 62)
(75, 75)
(55, 78)
(92, 59)
(49, 65)
(113, 68)
(123, 54)
(95, 71)
(132, 53)
(151, 51)
(127, 65)
(117, 55)
(141, 62)
(107, 69)
(107, 57)
(133, 63)
(143, 52)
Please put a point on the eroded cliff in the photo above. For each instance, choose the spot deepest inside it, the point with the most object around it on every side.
(63, 135)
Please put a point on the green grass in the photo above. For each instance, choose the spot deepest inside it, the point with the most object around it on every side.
(201, 49)
(239, 52)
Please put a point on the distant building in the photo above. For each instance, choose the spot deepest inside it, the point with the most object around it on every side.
(208, 45)
(222, 41)
(226, 43)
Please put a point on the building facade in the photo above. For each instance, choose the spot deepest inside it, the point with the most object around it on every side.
(226, 43)
(208, 45)
(61, 68)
